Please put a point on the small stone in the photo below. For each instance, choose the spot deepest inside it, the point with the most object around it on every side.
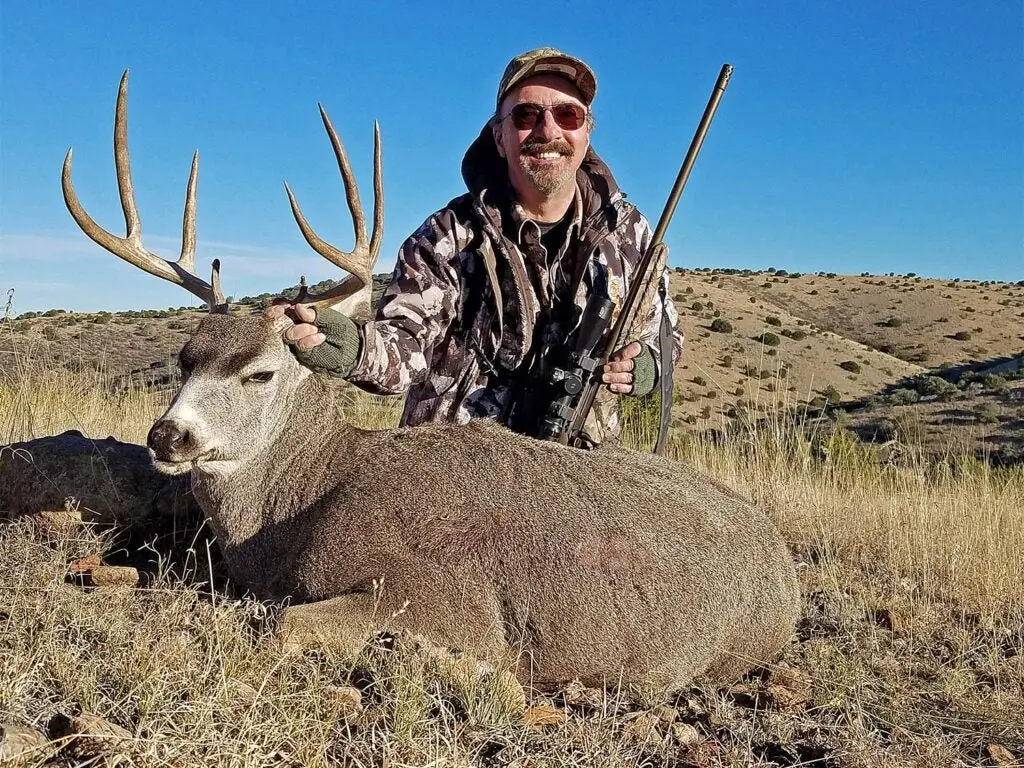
(666, 715)
(643, 726)
(577, 696)
(347, 700)
(114, 576)
(84, 565)
(540, 716)
(684, 734)
(1001, 756)
(18, 743)
(788, 689)
(58, 520)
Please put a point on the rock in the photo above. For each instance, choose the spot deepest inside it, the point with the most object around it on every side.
(643, 726)
(85, 565)
(540, 716)
(684, 734)
(1001, 756)
(578, 697)
(108, 480)
(788, 689)
(22, 746)
(347, 700)
(58, 520)
(114, 576)
(88, 736)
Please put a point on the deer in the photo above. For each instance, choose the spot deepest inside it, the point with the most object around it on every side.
(608, 567)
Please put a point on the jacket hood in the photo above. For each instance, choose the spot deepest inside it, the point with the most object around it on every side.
(485, 171)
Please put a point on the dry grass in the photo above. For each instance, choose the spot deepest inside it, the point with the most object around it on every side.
(910, 649)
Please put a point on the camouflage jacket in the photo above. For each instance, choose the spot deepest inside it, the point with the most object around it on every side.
(475, 301)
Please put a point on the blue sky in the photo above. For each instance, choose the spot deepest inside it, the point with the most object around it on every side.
(872, 136)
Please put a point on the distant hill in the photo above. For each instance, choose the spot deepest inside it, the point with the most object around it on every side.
(871, 348)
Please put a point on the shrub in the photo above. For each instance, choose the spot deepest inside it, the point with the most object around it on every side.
(721, 325)
(993, 381)
(768, 339)
(831, 394)
(962, 335)
(850, 365)
(903, 396)
(50, 333)
(935, 386)
(796, 334)
(727, 361)
(773, 320)
(987, 413)
(705, 412)
(700, 381)
(892, 322)
(697, 306)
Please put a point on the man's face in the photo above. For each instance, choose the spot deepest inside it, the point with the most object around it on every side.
(543, 158)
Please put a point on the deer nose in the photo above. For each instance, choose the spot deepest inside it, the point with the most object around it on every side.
(167, 437)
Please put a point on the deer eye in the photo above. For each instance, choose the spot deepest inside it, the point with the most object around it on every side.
(260, 377)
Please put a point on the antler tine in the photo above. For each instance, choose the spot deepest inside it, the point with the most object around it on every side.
(378, 199)
(360, 261)
(130, 248)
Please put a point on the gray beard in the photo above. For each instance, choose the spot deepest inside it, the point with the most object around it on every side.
(546, 180)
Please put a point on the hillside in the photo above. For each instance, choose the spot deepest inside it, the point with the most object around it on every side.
(755, 342)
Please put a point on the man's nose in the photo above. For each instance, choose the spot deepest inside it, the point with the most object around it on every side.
(546, 126)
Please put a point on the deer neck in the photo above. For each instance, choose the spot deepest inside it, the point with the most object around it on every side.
(285, 477)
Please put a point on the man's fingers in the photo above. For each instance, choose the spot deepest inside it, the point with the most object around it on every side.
(621, 389)
(617, 378)
(275, 311)
(299, 332)
(623, 366)
(308, 342)
(304, 313)
(299, 313)
(628, 352)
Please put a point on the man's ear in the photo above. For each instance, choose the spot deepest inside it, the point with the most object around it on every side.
(496, 133)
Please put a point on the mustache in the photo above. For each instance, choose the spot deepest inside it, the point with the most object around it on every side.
(539, 146)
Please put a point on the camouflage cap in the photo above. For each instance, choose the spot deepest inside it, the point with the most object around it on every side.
(549, 61)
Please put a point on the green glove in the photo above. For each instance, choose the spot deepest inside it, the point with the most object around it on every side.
(338, 354)
(643, 373)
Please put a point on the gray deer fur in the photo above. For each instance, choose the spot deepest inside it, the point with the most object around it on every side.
(610, 566)
(607, 566)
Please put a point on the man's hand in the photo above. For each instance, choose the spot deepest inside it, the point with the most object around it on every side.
(303, 334)
(618, 373)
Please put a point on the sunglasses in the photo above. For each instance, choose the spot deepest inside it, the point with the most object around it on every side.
(568, 117)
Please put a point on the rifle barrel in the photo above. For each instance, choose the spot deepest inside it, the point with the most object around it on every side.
(691, 153)
(628, 307)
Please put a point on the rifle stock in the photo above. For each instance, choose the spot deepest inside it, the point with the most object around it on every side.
(630, 305)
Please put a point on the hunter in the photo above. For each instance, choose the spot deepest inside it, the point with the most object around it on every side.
(487, 293)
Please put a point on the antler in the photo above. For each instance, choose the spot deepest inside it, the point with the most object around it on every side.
(129, 248)
(358, 262)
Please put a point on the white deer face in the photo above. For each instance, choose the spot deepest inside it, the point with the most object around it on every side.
(240, 383)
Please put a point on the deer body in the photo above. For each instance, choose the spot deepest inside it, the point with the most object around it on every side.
(602, 566)
(608, 566)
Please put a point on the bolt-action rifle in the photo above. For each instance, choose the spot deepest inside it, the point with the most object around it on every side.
(570, 412)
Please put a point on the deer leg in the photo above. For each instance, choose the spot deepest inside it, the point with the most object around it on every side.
(344, 623)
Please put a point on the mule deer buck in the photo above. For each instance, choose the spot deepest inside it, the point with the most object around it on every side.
(609, 566)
